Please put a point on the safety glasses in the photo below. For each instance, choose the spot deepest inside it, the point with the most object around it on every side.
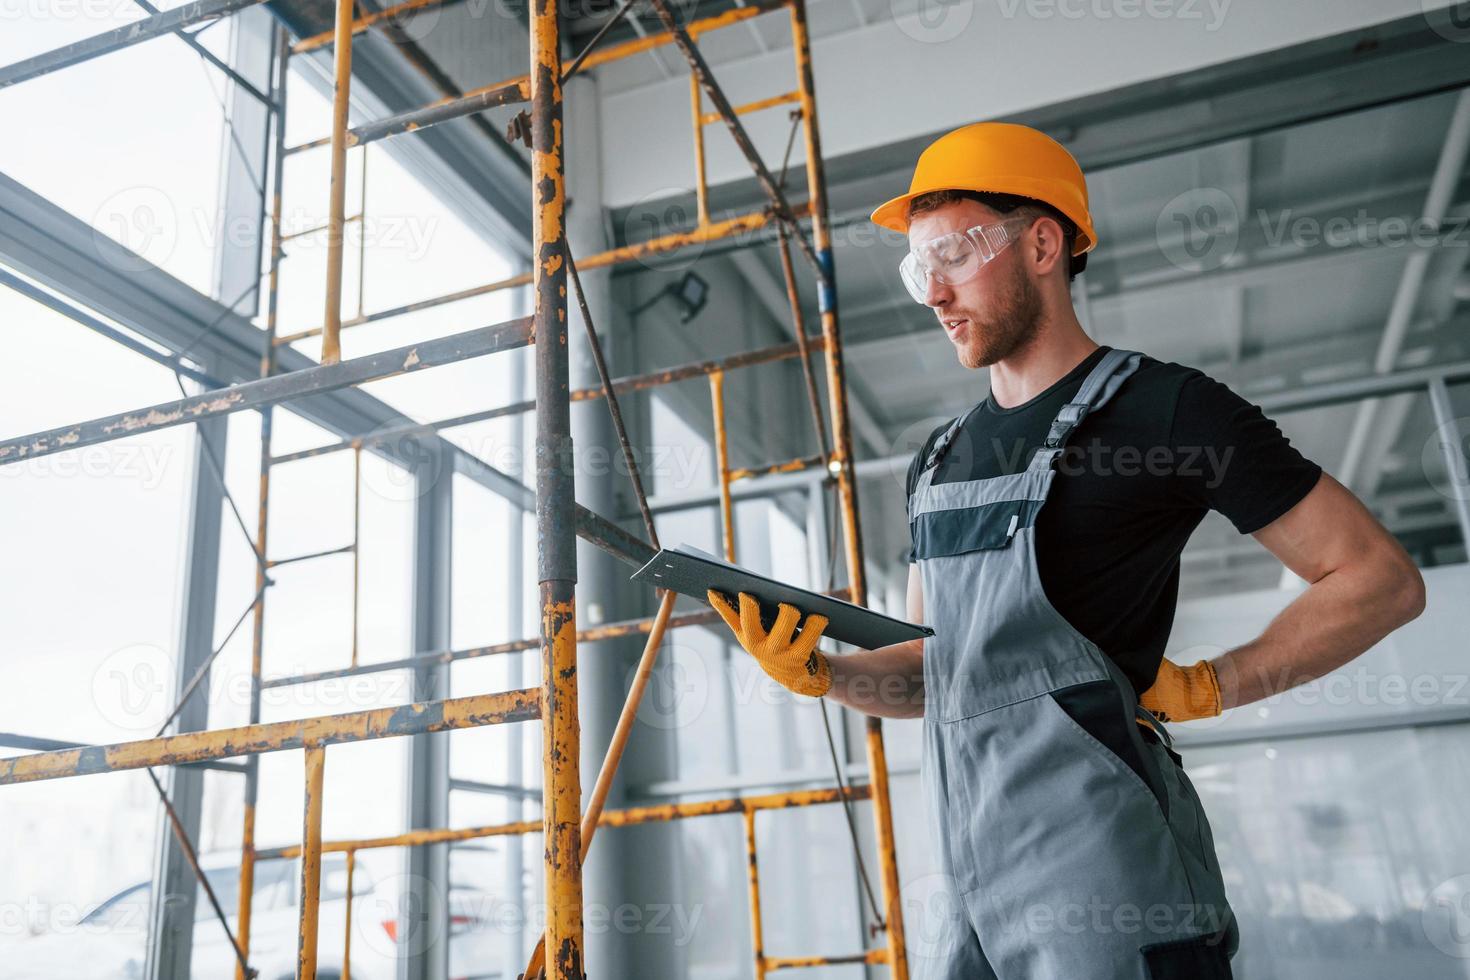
(957, 257)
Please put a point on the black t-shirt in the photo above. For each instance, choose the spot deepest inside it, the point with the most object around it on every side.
(1137, 477)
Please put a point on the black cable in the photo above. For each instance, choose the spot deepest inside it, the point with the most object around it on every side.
(828, 517)
(847, 809)
(203, 668)
(200, 333)
(193, 858)
(831, 514)
(219, 473)
(847, 806)
(256, 181)
(790, 142)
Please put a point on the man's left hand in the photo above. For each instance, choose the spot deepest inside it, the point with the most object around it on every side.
(1183, 693)
(791, 661)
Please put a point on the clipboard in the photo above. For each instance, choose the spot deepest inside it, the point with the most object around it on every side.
(690, 571)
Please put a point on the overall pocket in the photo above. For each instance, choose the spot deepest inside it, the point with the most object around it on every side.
(1095, 708)
(1202, 958)
(960, 530)
(1094, 716)
(1191, 829)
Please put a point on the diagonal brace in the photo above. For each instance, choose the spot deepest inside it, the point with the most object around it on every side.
(722, 105)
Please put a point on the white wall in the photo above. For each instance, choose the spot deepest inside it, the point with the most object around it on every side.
(1420, 672)
(944, 65)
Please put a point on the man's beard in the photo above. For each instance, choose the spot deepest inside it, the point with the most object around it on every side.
(1015, 313)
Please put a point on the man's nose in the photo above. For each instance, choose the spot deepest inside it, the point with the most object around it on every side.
(936, 293)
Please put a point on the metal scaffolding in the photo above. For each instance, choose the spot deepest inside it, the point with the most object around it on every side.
(568, 826)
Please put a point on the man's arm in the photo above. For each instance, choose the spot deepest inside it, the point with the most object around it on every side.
(1362, 586)
(888, 681)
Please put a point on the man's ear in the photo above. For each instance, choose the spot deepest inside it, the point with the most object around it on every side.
(1051, 244)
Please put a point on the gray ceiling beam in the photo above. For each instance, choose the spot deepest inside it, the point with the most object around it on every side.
(160, 24)
(1358, 461)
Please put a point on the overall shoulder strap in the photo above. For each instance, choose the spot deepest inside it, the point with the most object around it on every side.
(946, 439)
(1101, 384)
(936, 453)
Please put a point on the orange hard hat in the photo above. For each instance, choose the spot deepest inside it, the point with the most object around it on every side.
(1000, 158)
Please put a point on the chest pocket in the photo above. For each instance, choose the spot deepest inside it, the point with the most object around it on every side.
(960, 530)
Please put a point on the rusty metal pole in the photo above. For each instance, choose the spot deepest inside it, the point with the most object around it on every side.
(752, 865)
(311, 863)
(722, 462)
(337, 205)
(356, 545)
(362, 242)
(614, 755)
(267, 414)
(842, 462)
(347, 928)
(701, 189)
(556, 539)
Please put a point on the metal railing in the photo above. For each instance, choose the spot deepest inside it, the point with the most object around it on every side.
(568, 828)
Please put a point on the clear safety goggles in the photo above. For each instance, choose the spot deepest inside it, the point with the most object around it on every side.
(957, 257)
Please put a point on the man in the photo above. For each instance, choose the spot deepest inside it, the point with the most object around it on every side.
(1047, 524)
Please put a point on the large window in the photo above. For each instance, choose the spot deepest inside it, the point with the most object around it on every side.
(97, 536)
(90, 584)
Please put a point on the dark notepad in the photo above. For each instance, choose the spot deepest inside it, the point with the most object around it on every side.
(689, 571)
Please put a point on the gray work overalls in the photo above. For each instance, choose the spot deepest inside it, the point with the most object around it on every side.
(1060, 860)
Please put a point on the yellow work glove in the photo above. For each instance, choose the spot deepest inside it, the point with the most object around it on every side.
(794, 663)
(1183, 693)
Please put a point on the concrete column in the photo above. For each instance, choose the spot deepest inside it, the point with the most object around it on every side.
(236, 282)
(613, 877)
(171, 911)
(423, 926)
